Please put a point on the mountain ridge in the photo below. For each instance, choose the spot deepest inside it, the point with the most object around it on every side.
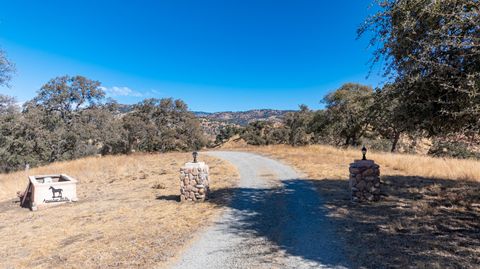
(242, 118)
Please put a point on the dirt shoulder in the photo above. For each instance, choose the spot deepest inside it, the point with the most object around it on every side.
(428, 217)
(128, 215)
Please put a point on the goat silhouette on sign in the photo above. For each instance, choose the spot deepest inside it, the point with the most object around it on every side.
(54, 191)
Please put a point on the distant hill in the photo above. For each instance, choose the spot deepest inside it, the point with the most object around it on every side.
(212, 122)
(242, 118)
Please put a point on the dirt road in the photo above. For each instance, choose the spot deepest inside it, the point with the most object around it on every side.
(275, 220)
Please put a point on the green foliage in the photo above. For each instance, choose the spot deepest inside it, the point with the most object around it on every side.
(8, 105)
(355, 114)
(389, 117)
(69, 119)
(163, 125)
(68, 94)
(455, 149)
(264, 133)
(297, 124)
(431, 53)
(227, 132)
(430, 50)
(377, 144)
(320, 127)
(347, 113)
(256, 133)
(8, 122)
(7, 69)
(294, 130)
(346, 119)
(61, 115)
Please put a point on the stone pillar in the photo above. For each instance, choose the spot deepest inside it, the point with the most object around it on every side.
(364, 181)
(194, 182)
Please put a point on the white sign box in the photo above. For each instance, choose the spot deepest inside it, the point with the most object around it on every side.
(51, 190)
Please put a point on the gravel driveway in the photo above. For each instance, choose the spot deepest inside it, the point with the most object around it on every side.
(275, 220)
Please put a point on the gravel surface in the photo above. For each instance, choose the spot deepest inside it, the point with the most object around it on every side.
(275, 220)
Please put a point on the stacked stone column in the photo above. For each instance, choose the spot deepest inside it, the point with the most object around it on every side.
(364, 181)
(194, 182)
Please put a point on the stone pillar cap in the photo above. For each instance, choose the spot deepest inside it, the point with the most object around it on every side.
(194, 165)
(360, 163)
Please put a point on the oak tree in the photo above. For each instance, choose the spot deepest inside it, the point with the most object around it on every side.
(430, 50)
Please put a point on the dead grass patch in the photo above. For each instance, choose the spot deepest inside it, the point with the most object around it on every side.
(428, 218)
(128, 215)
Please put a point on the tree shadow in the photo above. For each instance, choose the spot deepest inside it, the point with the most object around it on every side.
(292, 217)
(175, 198)
(11, 205)
(420, 223)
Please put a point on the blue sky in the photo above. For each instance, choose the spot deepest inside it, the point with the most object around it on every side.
(215, 55)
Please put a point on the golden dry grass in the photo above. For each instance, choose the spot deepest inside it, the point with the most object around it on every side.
(327, 161)
(128, 214)
(429, 216)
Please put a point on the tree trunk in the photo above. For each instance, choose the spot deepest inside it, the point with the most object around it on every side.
(354, 141)
(395, 142)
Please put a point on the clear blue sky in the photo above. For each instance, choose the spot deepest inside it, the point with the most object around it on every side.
(216, 55)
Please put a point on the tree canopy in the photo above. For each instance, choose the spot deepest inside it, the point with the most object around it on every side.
(67, 94)
(431, 53)
(7, 69)
(348, 111)
(70, 118)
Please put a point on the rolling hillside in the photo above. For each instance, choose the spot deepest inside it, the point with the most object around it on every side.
(213, 122)
(242, 118)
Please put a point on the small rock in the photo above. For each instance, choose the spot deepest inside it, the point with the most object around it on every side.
(361, 185)
(354, 170)
(160, 186)
(368, 172)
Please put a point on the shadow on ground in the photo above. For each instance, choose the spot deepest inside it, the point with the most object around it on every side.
(291, 217)
(420, 222)
(169, 197)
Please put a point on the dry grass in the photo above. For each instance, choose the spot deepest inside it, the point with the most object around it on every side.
(333, 162)
(127, 217)
(428, 218)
